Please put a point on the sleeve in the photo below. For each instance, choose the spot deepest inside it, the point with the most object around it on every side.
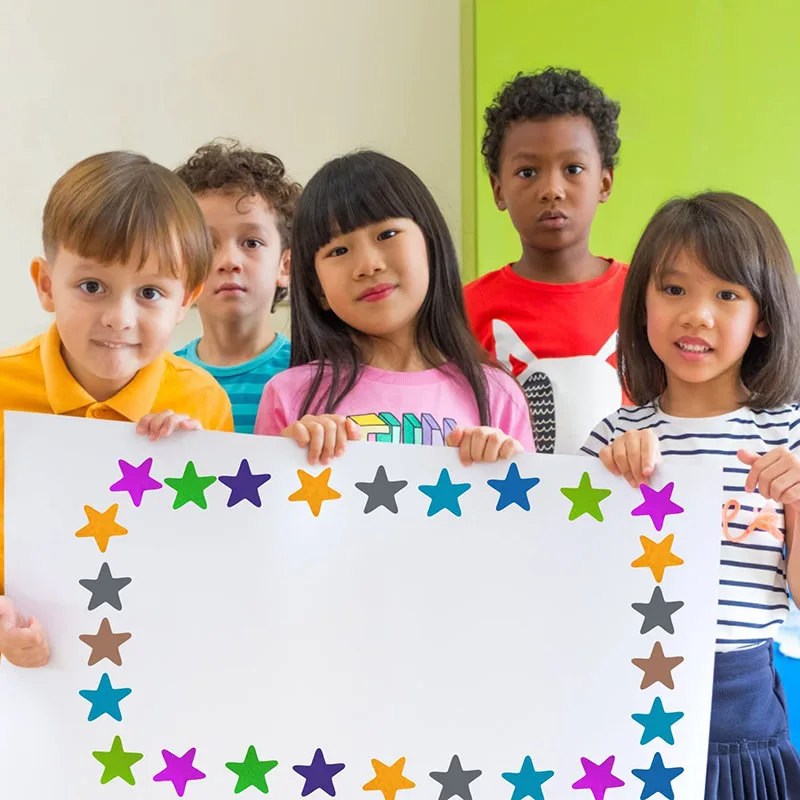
(509, 409)
(216, 414)
(602, 435)
(272, 416)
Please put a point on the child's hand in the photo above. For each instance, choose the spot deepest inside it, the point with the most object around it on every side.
(633, 455)
(776, 475)
(22, 641)
(157, 426)
(325, 436)
(482, 444)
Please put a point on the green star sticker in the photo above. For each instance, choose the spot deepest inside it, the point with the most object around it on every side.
(117, 763)
(190, 487)
(585, 498)
(251, 772)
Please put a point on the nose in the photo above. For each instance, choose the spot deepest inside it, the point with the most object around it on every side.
(698, 313)
(227, 258)
(369, 261)
(119, 313)
(552, 186)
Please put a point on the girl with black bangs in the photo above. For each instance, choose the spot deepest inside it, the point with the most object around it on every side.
(709, 349)
(381, 348)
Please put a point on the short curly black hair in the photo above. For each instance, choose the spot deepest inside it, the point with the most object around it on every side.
(551, 92)
(225, 166)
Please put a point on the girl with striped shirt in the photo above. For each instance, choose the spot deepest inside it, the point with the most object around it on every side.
(709, 350)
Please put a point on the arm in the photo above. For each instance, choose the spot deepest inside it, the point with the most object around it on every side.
(792, 555)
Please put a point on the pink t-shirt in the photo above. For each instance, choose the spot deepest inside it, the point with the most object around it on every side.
(403, 407)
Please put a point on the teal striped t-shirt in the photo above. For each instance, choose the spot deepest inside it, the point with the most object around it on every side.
(245, 382)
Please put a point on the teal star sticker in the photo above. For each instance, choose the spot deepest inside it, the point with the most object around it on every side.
(528, 782)
(585, 499)
(444, 494)
(251, 772)
(105, 699)
(190, 487)
(658, 723)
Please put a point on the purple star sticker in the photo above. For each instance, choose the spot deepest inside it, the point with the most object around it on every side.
(657, 505)
(244, 485)
(318, 775)
(598, 778)
(135, 480)
(179, 770)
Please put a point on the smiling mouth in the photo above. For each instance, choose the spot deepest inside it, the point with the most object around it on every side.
(114, 345)
(693, 348)
(377, 293)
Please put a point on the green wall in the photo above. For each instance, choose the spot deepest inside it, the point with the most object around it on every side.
(709, 92)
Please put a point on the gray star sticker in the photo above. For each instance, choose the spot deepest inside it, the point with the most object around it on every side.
(381, 492)
(657, 613)
(105, 588)
(455, 782)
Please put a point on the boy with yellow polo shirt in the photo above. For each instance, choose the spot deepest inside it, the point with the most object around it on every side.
(126, 253)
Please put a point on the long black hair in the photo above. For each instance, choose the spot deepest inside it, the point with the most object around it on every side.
(351, 192)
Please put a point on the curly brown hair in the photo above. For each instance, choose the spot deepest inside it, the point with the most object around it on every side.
(225, 166)
(551, 92)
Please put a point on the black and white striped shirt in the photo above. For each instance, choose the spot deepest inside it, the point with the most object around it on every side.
(753, 595)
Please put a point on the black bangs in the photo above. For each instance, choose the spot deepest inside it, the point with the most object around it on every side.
(352, 192)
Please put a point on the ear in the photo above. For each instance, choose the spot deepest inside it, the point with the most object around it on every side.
(189, 299)
(761, 330)
(497, 191)
(284, 269)
(41, 272)
(606, 184)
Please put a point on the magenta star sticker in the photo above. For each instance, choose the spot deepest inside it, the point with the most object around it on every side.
(598, 778)
(179, 770)
(657, 505)
(135, 480)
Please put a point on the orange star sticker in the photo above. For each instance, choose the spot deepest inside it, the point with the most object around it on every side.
(658, 556)
(102, 526)
(314, 490)
(389, 780)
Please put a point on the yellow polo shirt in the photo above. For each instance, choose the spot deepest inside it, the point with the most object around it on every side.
(34, 377)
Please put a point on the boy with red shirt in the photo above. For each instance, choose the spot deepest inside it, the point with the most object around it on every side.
(550, 148)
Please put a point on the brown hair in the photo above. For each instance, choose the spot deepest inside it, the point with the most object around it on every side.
(225, 166)
(737, 241)
(111, 206)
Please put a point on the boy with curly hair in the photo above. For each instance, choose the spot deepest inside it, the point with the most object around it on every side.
(550, 148)
(248, 202)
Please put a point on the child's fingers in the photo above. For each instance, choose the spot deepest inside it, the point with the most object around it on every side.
(331, 427)
(342, 436)
(510, 448)
(634, 451)
(619, 452)
(454, 437)
(607, 459)
(8, 614)
(191, 425)
(649, 455)
(353, 431)
(465, 448)
(757, 467)
(488, 449)
(316, 440)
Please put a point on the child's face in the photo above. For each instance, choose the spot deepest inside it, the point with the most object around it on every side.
(249, 260)
(113, 320)
(699, 325)
(551, 180)
(376, 278)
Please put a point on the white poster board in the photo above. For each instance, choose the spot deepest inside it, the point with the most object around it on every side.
(462, 647)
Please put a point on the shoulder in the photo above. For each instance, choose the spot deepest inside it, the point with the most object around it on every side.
(291, 382)
(189, 350)
(484, 285)
(626, 418)
(21, 369)
(188, 378)
(21, 354)
(501, 384)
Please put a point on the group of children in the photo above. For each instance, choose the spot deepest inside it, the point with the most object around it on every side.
(697, 342)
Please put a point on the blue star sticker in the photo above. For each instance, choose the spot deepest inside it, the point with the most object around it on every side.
(105, 699)
(244, 485)
(657, 778)
(658, 723)
(444, 494)
(513, 489)
(528, 782)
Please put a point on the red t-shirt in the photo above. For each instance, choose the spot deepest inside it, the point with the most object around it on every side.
(559, 340)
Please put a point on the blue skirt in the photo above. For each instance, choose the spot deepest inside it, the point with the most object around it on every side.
(750, 756)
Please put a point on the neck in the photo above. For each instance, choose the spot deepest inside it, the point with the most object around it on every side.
(573, 264)
(228, 342)
(713, 398)
(395, 353)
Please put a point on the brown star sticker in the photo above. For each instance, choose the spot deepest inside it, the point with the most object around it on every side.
(658, 667)
(105, 643)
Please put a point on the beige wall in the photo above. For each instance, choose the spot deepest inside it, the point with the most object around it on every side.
(308, 79)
